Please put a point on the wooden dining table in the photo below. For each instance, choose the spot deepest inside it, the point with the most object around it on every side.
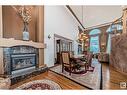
(80, 60)
(79, 56)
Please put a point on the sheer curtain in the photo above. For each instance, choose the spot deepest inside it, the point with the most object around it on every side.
(109, 44)
(94, 44)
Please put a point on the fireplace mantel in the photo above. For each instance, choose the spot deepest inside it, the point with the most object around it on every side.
(4, 42)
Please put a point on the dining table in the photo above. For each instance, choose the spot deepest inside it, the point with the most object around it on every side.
(79, 59)
(79, 56)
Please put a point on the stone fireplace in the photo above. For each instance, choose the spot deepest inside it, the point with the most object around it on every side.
(20, 59)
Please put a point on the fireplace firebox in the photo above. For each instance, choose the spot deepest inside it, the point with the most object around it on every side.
(21, 61)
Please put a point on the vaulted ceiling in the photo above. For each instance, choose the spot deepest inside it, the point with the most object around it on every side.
(96, 15)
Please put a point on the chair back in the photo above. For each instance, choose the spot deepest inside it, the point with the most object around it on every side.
(71, 54)
(65, 56)
(85, 52)
(89, 58)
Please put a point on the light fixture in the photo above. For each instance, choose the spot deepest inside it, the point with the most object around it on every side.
(103, 44)
(49, 36)
(83, 37)
(87, 39)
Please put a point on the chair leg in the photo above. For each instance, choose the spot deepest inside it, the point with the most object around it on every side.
(86, 67)
(74, 69)
(70, 71)
(62, 69)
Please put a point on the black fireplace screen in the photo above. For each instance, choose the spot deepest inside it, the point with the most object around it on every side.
(21, 61)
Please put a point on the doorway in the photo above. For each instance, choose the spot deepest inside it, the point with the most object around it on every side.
(61, 44)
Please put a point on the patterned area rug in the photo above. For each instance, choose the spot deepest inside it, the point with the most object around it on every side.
(91, 80)
(40, 85)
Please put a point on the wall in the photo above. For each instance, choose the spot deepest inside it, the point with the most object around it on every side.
(58, 20)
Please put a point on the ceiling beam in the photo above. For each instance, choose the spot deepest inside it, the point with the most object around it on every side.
(97, 26)
(69, 8)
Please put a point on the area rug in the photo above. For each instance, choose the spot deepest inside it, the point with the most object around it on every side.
(91, 80)
(40, 85)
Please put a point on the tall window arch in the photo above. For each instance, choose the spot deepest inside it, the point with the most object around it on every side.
(94, 40)
(117, 27)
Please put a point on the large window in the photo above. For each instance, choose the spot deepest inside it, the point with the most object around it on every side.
(94, 40)
(117, 27)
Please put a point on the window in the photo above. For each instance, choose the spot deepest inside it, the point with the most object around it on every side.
(94, 32)
(94, 40)
(113, 27)
(110, 30)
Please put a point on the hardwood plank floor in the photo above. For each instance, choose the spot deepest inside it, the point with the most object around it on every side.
(62, 81)
(111, 79)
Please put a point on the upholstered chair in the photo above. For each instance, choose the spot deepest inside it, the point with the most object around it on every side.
(89, 62)
(66, 63)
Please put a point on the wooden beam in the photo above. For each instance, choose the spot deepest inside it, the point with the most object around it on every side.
(69, 8)
(98, 26)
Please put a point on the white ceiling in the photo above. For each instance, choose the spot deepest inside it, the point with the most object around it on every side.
(96, 15)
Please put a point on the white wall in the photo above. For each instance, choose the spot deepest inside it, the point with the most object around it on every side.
(58, 20)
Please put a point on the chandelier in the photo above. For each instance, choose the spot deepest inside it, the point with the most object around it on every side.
(82, 37)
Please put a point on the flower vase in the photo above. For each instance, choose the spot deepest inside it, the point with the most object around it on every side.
(25, 32)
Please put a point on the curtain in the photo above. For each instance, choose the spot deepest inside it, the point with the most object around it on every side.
(108, 50)
(94, 44)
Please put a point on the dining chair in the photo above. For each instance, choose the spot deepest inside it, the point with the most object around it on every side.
(66, 62)
(89, 66)
(71, 54)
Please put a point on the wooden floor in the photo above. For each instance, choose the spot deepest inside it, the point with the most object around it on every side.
(111, 79)
(62, 81)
